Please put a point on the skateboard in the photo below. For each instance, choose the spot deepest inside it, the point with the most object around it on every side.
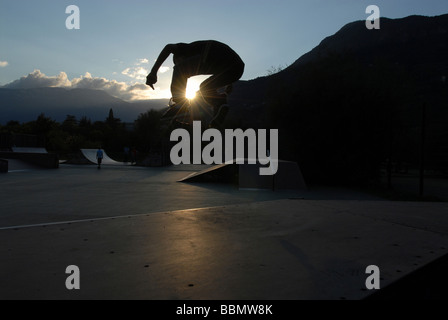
(212, 113)
(177, 116)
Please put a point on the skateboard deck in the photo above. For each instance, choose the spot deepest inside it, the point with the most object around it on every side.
(197, 109)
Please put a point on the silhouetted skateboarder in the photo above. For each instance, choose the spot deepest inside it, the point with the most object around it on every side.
(200, 58)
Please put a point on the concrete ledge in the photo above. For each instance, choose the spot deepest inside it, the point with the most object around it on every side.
(3, 166)
(247, 176)
(45, 160)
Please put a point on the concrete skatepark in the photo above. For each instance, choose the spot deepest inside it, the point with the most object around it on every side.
(138, 233)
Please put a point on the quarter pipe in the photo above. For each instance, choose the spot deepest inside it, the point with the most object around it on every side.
(90, 155)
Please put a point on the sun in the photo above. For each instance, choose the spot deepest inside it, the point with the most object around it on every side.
(191, 92)
(193, 86)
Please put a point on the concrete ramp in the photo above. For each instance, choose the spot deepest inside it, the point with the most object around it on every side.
(247, 176)
(222, 173)
(90, 155)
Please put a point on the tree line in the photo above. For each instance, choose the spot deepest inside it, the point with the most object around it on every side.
(72, 134)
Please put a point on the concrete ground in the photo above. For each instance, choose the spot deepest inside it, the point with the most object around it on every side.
(136, 233)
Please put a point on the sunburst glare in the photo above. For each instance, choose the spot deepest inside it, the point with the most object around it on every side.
(193, 86)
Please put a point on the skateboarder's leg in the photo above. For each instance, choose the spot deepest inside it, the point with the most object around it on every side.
(181, 72)
(178, 85)
(178, 90)
(209, 89)
(224, 76)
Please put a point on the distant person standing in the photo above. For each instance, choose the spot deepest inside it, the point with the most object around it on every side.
(134, 155)
(99, 157)
(126, 151)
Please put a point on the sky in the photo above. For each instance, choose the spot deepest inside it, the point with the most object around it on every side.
(118, 41)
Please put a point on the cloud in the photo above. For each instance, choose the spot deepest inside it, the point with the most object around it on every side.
(164, 69)
(3, 64)
(37, 79)
(117, 89)
(122, 90)
(142, 61)
(138, 73)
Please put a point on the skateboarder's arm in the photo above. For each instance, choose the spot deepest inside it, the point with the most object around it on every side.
(169, 49)
(152, 76)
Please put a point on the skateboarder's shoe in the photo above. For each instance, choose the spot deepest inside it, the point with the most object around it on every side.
(219, 117)
(176, 110)
(214, 100)
(171, 112)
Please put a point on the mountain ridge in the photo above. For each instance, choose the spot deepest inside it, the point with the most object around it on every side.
(26, 104)
(417, 43)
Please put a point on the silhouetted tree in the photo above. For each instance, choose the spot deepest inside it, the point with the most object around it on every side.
(70, 124)
(147, 130)
(112, 121)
